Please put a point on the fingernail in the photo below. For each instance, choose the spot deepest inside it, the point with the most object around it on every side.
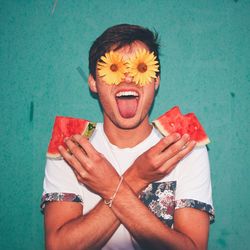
(186, 136)
(60, 147)
(65, 139)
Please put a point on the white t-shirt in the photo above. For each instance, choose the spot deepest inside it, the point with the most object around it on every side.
(188, 185)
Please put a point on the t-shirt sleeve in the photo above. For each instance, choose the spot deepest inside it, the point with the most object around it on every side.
(194, 182)
(60, 183)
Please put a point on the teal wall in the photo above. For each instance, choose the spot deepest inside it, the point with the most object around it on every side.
(205, 57)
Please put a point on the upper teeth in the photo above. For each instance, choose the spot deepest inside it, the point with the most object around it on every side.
(126, 93)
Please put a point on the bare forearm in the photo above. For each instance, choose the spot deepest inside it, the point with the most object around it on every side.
(93, 230)
(90, 231)
(145, 227)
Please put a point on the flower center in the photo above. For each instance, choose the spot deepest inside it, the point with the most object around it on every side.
(113, 67)
(142, 67)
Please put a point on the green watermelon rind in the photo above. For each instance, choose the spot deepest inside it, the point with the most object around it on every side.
(87, 132)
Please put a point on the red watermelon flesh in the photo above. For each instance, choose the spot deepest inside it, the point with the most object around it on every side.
(65, 127)
(173, 121)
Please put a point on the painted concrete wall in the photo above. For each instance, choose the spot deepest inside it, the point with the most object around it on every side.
(205, 68)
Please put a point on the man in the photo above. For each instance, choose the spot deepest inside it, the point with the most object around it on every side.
(127, 187)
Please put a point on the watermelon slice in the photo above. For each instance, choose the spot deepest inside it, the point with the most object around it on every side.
(173, 121)
(65, 127)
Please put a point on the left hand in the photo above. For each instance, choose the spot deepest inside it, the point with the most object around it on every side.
(158, 161)
(91, 167)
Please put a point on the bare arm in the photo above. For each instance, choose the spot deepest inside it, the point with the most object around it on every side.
(151, 233)
(67, 228)
(72, 230)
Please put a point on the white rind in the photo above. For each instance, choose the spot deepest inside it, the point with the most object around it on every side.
(54, 156)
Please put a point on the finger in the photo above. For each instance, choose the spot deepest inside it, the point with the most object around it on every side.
(73, 145)
(78, 152)
(174, 149)
(172, 162)
(166, 169)
(72, 161)
(78, 177)
(85, 145)
(165, 142)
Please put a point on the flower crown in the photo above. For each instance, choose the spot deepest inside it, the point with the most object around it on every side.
(142, 67)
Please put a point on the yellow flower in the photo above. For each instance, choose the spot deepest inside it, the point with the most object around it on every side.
(143, 67)
(112, 67)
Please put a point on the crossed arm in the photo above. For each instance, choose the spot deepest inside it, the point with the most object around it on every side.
(70, 229)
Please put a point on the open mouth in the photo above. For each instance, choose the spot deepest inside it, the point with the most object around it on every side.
(127, 95)
(127, 102)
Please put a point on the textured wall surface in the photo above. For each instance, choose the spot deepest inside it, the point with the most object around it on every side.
(205, 69)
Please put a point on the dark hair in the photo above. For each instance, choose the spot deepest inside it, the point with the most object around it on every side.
(117, 37)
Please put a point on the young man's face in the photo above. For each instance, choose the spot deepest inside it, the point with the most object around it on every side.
(126, 105)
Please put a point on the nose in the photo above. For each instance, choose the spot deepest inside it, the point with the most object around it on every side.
(127, 78)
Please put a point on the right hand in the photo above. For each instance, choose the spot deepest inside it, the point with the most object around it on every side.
(90, 167)
(158, 161)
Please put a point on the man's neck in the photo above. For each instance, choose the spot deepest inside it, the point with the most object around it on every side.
(127, 138)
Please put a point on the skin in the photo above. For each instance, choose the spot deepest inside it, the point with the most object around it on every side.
(70, 229)
(114, 124)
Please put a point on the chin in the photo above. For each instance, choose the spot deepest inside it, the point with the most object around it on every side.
(128, 123)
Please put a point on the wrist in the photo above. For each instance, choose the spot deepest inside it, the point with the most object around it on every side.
(109, 187)
(135, 183)
(109, 201)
